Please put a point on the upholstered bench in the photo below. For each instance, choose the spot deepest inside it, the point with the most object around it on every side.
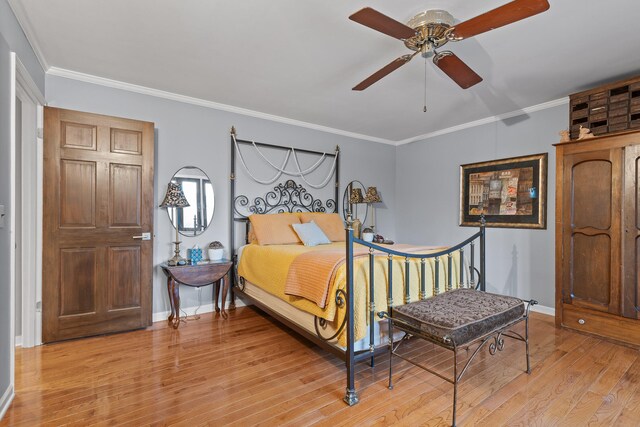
(458, 319)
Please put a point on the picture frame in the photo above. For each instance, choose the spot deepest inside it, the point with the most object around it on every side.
(510, 193)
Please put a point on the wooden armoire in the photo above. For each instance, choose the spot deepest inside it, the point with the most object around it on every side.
(598, 236)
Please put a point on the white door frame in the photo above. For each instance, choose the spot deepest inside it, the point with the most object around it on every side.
(31, 154)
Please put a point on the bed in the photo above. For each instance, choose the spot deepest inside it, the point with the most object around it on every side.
(335, 294)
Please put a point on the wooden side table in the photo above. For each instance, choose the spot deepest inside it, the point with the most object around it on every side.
(212, 272)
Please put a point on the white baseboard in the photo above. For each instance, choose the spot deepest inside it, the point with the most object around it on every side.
(5, 400)
(162, 316)
(19, 341)
(544, 310)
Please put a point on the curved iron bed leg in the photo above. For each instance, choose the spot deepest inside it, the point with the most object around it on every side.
(351, 395)
(390, 352)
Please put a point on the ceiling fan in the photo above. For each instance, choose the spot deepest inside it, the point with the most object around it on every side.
(431, 29)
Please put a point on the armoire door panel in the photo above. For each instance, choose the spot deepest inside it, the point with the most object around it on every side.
(125, 195)
(591, 270)
(78, 135)
(77, 194)
(126, 141)
(97, 195)
(591, 191)
(78, 278)
(631, 243)
(124, 277)
(591, 230)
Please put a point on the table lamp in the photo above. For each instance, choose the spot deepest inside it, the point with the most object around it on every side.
(370, 198)
(175, 199)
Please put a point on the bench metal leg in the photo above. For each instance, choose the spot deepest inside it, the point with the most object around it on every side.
(455, 384)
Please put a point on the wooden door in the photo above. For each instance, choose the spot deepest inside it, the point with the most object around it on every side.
(631, 235)
(98, 197)
(591, 229)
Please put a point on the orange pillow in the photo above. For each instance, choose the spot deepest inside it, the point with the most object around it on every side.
(330, 223)
(275, 229)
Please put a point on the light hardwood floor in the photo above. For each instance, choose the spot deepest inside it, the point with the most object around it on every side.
(249, 370)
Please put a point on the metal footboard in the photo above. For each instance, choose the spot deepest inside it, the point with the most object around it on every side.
(475, 275)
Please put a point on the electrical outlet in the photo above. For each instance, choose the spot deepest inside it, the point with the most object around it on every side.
(2, 215)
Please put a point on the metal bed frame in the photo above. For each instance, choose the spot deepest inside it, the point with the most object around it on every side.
(292, 197)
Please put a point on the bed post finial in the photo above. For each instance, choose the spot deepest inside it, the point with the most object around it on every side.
(483, 221)
(233, 131)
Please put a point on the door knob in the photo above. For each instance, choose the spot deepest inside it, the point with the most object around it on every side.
(143, 236)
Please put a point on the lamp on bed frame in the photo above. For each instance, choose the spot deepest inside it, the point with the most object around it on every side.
(175, 199)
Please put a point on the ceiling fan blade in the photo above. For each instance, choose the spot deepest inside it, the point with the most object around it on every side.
(387, 69)
(373, 19)
(498, 17)
(457, 70)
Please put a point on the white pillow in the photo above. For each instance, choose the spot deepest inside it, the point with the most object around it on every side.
(310, 234)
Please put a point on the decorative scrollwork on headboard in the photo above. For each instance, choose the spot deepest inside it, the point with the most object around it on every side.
(285, 197)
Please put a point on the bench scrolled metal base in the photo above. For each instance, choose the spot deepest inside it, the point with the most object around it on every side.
(481, 326)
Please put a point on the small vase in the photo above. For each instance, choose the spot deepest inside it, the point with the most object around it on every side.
(215, 254)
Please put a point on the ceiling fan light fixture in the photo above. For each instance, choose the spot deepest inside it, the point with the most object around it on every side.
(433, 16)
(431, 27)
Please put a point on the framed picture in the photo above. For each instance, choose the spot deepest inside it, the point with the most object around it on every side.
(508, 192)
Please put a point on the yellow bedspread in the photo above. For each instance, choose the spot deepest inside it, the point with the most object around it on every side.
(268, 267)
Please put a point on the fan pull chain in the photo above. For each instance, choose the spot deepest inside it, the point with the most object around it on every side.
(424, 110)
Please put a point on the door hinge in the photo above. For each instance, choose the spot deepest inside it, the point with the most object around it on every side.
(40, 133)
(39, 306)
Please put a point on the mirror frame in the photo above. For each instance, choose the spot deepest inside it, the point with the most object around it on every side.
(346, 206)
(201, 210)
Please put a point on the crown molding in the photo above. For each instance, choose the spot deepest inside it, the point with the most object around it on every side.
(116, 84)
(492, 119)
(23, 19)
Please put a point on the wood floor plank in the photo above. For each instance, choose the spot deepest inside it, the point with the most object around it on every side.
(249, 370)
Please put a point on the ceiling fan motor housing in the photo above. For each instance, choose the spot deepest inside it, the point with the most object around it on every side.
(431, 27)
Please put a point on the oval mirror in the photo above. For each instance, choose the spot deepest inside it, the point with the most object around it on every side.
(198, 190)
(352, 201)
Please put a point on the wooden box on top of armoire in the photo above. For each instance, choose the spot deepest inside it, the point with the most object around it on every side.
(607, 109)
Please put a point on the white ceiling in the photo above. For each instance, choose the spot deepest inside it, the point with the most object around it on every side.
(299, 59)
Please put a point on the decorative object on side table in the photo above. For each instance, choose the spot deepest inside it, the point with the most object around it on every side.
(370, 198)
(175, 199)
(381, 240)
(216, 251)
(367, 235)
(194, 255)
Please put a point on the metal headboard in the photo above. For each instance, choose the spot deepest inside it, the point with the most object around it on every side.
(287, 196)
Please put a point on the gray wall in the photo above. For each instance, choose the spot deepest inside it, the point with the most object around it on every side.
(199, 136)
(11, 39)
(519, 262)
